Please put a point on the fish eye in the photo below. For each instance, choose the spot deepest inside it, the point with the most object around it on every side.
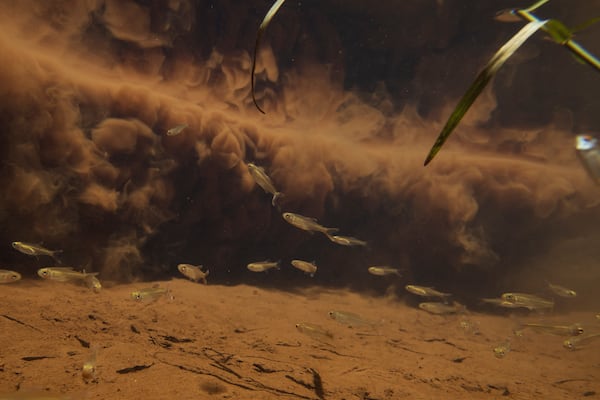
(14, 277)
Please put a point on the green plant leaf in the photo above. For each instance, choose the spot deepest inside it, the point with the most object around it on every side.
(261, 29)
(481, 81)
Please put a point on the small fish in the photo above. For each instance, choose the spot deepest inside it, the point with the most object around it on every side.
(349, 319)
(346, 240)
(176, 130)
(314, 331)
(425, 291)
(502, 349)
(88, 370)
(7, 276)
(561, 291)
(589, 154)
(383, 271)
(529, 301)
(576, 342)
(441, 308)
(35, 250)
(559, 330)
(193, 272)
(264, 181)
(469, 326)
(307, 223)
(263, 266)
(150, 294)
(309, 268)
(92, 282)
(501, 303)
(64, 274)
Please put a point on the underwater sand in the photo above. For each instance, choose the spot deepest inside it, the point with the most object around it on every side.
(241, 343)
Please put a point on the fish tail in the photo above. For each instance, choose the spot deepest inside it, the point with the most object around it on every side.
(276, 196)
(54, 253)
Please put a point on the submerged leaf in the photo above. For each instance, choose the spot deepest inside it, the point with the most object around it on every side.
(261, 29)
(481, 81)
(558, 31)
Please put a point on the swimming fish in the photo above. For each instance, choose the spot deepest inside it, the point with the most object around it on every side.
(529, 301)
(35, 250)
(560, 330)
(262, 266)
(92, 282)
(314, 331)
(193, 272)
(349, 319)
(261, 29)
(502, 349)
(264, 181)
(7, 276)
(501, 303)
(346, 240)
(383, 271)
(309, 268)
(441, 308)
(425, 291)
(307, 223)
(149, 294)
(589, 154)
(561, 291)
(88, 370)
(64, 274)
(576, 342)
(176, 130)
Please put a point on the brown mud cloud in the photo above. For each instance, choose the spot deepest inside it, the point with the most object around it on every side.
(89, 91)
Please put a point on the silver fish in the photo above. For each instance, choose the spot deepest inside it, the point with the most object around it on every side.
(425, 291)
(577, 342)
(314, 331)
(349, 319)
(589, 154)
(263, 266)
(529, 301)
(307, 223)
(150, 294)
(441, 308)
(309, 268)
(561, 291)
(193, 272)
(64, 274)
(7, 276)
(35, 250)
(501, 303)
(88, 370)
(559, 330)
(264, 181)
(176, 130)
(93, 283)
(383, 271)
(502, 349)
(346, 240)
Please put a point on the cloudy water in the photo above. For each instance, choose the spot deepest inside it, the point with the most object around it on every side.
(151, 212)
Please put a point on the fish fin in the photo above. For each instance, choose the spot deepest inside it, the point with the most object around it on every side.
(276, 197)
(54, 256)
